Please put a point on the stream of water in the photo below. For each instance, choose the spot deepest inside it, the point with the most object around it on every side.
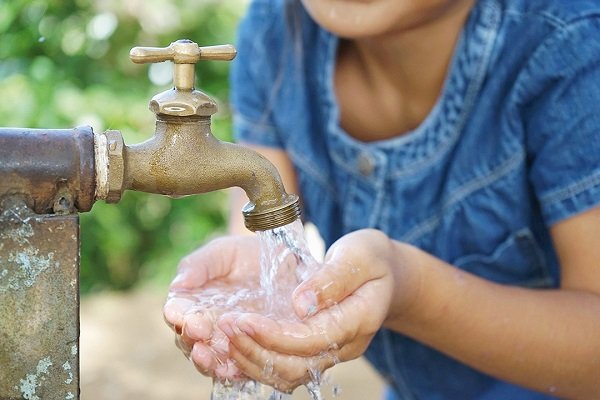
(285, 261)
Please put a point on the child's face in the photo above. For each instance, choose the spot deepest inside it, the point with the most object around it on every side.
(354, 19)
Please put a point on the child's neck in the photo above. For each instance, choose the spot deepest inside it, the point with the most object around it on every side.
(414, 61)
(404, 71)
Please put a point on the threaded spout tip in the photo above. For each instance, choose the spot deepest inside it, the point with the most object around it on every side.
(271, 218)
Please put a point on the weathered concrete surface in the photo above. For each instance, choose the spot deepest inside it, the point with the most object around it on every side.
(39, 306)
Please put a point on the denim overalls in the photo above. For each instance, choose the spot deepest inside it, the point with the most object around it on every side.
(511, 147)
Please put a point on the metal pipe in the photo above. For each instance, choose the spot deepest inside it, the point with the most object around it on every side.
(52, 170)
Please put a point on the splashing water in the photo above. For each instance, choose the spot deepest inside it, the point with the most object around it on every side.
(285, 261)
(245, 390)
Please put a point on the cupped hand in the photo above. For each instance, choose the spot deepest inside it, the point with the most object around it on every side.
(341, 307)
(220, 277)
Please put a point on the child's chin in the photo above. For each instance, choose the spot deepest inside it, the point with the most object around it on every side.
(353, 19)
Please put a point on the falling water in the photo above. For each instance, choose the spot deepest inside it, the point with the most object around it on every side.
(285, 261)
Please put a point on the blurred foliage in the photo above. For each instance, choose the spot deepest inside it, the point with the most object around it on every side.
(65, 63)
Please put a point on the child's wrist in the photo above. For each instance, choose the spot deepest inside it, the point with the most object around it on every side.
(408, 274)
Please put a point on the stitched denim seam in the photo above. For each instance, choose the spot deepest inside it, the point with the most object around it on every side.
(274, 88)
(487, 258)
(343, 164)
(243, 122)
(377, 205)
(348, 216)
(472, 92)
(384, 215)
(462, 193)
(571, 190)
(324, 43)
(531, 251)
(546, 45)
(307, 168)
(260, 52)
(550, 19)
(378, 201)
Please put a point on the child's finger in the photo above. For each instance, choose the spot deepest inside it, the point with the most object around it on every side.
(331, 328)
(259, 364)
(228, 370)
(204, 359)
(198, 325)
(174, 310)
(286, 337)
(284, 372)
(336, 280)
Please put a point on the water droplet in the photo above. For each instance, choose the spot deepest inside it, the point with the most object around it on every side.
(336, 390)
(268, 368)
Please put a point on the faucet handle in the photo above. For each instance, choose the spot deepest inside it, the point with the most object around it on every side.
(183, 51)
(184, 54)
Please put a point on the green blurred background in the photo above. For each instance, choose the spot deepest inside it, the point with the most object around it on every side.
(65, 64)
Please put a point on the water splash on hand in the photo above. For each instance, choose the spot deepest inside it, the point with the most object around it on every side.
(285, 261)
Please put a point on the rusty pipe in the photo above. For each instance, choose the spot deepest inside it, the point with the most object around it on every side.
(51, 170)
(184, 158)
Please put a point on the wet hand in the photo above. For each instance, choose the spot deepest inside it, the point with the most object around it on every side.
(341, 307)
(219, 277)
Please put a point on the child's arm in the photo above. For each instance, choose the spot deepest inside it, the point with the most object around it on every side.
(547, 340)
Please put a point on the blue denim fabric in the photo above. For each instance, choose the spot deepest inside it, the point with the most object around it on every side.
(511, 147)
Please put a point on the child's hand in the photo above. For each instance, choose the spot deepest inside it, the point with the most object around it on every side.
(342, 307)
(227, 272)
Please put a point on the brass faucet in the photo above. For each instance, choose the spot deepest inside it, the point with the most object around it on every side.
(183, 157)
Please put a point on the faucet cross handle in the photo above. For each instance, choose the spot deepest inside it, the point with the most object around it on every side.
(184, 54)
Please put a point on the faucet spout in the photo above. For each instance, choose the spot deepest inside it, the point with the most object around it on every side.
(184, 158)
